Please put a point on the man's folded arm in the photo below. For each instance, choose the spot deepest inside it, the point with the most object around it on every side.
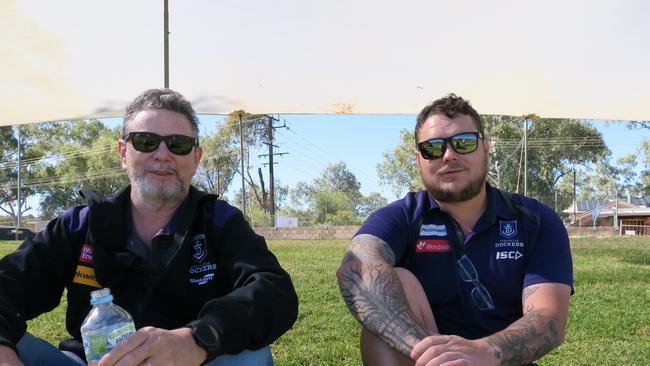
(541, 328)
(373, 293)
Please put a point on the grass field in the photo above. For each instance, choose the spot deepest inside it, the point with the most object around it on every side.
(609, 322)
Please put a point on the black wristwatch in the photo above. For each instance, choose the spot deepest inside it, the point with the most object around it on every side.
(207, 337)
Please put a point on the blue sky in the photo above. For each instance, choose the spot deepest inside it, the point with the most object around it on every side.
(314, 141)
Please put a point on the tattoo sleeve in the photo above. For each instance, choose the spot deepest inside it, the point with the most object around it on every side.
(532, 336)
(373, 293)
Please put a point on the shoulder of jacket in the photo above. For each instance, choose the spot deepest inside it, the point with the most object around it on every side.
(221, 212)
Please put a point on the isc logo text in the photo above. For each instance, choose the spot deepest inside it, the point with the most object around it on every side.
(513, 254)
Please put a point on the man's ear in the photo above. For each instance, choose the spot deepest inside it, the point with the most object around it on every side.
(487, 144)
(198, 153)
(121, 149)
(417, 158)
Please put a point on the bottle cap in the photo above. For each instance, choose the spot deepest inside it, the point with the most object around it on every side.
(100, 296)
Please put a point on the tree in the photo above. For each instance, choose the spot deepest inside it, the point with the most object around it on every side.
(256, 214)
(218, 164)
(644, 179)
(9, 172)
(84, 156)
(333, 199)
(222, 160)
(36, 143)
(398, 170)
(638, 124)
(371, 203)
(554, 147)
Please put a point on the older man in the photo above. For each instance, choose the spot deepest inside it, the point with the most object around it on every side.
(462, 273)
(201, 286)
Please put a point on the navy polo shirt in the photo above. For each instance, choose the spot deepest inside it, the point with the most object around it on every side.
(511, 249)
(164, 244)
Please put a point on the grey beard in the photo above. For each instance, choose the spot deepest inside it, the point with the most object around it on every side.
(158, 192)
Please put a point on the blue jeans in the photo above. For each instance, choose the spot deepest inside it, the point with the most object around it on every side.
(35, 352)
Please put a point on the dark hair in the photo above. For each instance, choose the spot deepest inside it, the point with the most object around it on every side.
(450, 105)
(161, 99)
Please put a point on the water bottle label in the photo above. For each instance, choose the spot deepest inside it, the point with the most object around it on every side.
(119, 334)
(95, 346)
(97, 343)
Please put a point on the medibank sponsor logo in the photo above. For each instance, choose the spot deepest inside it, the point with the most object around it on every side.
(432, 246)
(433, 230)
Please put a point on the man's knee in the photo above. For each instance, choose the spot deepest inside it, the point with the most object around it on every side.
(417, 299)
(260, 357)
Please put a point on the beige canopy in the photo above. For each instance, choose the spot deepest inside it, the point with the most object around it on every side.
(72, 59)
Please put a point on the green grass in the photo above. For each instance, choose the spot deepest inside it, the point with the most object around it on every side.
(609, 320)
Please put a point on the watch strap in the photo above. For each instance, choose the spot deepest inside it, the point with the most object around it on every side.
(213, 351)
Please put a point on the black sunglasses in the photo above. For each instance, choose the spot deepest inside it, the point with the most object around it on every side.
(148, 141)
(462, 143)
(480, 294)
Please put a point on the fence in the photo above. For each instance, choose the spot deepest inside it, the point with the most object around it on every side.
(635, 230)
(346, 232)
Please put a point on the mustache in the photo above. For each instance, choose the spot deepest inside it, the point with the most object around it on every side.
(160, 166)
(448, 167)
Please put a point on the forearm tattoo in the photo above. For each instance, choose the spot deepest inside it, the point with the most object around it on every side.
(527, 339)
(374, 294)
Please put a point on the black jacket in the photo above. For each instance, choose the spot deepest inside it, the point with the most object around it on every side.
(222, 273)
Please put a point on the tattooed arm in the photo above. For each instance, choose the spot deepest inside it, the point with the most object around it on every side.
(536, 333)
(539, 330)
(374, 294)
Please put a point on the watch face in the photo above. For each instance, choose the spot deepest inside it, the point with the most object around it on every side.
(206, 335)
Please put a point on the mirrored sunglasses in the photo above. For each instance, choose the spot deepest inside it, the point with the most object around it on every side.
(462, 143)
(148, 142)
(480, 294)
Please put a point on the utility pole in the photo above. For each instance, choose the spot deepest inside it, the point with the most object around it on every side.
(615, 207)
(575, 203)
(241, 154)
(166, 42)
(269, 132)
(526, 155)
(18, 223)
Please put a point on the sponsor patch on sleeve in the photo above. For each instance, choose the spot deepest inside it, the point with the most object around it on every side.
(86, 276)
(86, 255)
(432, 246)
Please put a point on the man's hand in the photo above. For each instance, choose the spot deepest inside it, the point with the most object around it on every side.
(8, 357)
(450, 350)
(157, 347)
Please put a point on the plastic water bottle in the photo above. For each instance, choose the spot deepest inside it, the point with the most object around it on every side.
(105, 326)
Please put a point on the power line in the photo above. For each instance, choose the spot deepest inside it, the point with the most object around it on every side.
(318, 154)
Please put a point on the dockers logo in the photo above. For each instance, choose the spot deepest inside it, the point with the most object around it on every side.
(205, 270)
(200, 249)
(433, 230)
(508, 229)
(432, 246)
